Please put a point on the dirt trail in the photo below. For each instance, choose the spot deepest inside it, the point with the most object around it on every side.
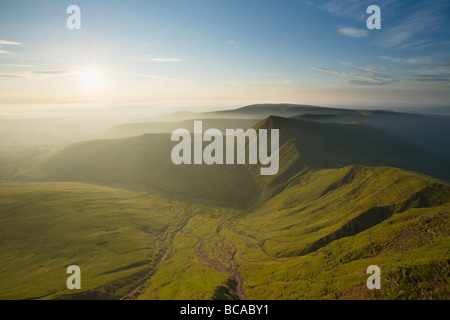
(179, 223)
(165, 244)
(239, 290)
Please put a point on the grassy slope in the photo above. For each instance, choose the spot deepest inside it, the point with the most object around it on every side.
(45, 227)
(278, 250)
(312, 240)
(143, 162)
(313, 236)
(301, 230)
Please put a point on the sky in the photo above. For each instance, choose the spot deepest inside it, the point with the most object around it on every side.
(294, 51)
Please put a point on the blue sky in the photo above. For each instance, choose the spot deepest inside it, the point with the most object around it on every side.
(317, 52)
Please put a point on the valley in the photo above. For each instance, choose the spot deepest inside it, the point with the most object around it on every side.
(346, 196)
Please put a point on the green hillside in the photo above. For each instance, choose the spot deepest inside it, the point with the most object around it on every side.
(160, 231)
(333, 145)
(112, 234)
(144, 162)
(316, 239)
(313, 240)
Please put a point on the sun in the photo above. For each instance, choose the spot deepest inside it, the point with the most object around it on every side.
(92, 78)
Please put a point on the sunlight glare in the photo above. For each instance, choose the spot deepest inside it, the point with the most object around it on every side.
(92, 78)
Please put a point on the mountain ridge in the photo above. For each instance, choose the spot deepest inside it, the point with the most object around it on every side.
(145, 161)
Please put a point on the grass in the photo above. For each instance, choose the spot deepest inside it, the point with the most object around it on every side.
(225, 232)
(266, 245)
(45, 227)
(138, 245)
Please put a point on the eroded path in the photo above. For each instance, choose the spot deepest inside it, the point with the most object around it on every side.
(197, 237)
(238, 291)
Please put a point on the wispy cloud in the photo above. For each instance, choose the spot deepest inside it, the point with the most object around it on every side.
(280, 83)
(373, 77)
(11, 76)
(232, 44)
(436, 74)
(428, 17)
(165, 60)
(432, 77)
(39, 74)
(353, 8)
(412, 60)
(369, 83)
(9, 43)
(53, 72)
(18, 65)
(157, 79)
(414, 31)
(352, 32)
(371, 71)
(327, 70)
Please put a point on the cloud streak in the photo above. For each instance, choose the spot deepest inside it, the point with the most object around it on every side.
(352, 32)
(414, 60)
(426, 19)
(432, 77)
(327, 70)
(18, 65)
(281, 83)
(414, 31)
(369, 83)
(53, 72)
(159, 60)
(353, 9)
(373, 77)
(11, 76)
(40, 74)
(9, 43)
(233, 44)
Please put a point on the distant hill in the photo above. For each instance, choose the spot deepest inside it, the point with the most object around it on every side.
(306, 145)
(254, 111)
(142, 162)
(244, 118)
(434, 110)
(145, 161)
(136, 129)
(427, 130)
(283, 110)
